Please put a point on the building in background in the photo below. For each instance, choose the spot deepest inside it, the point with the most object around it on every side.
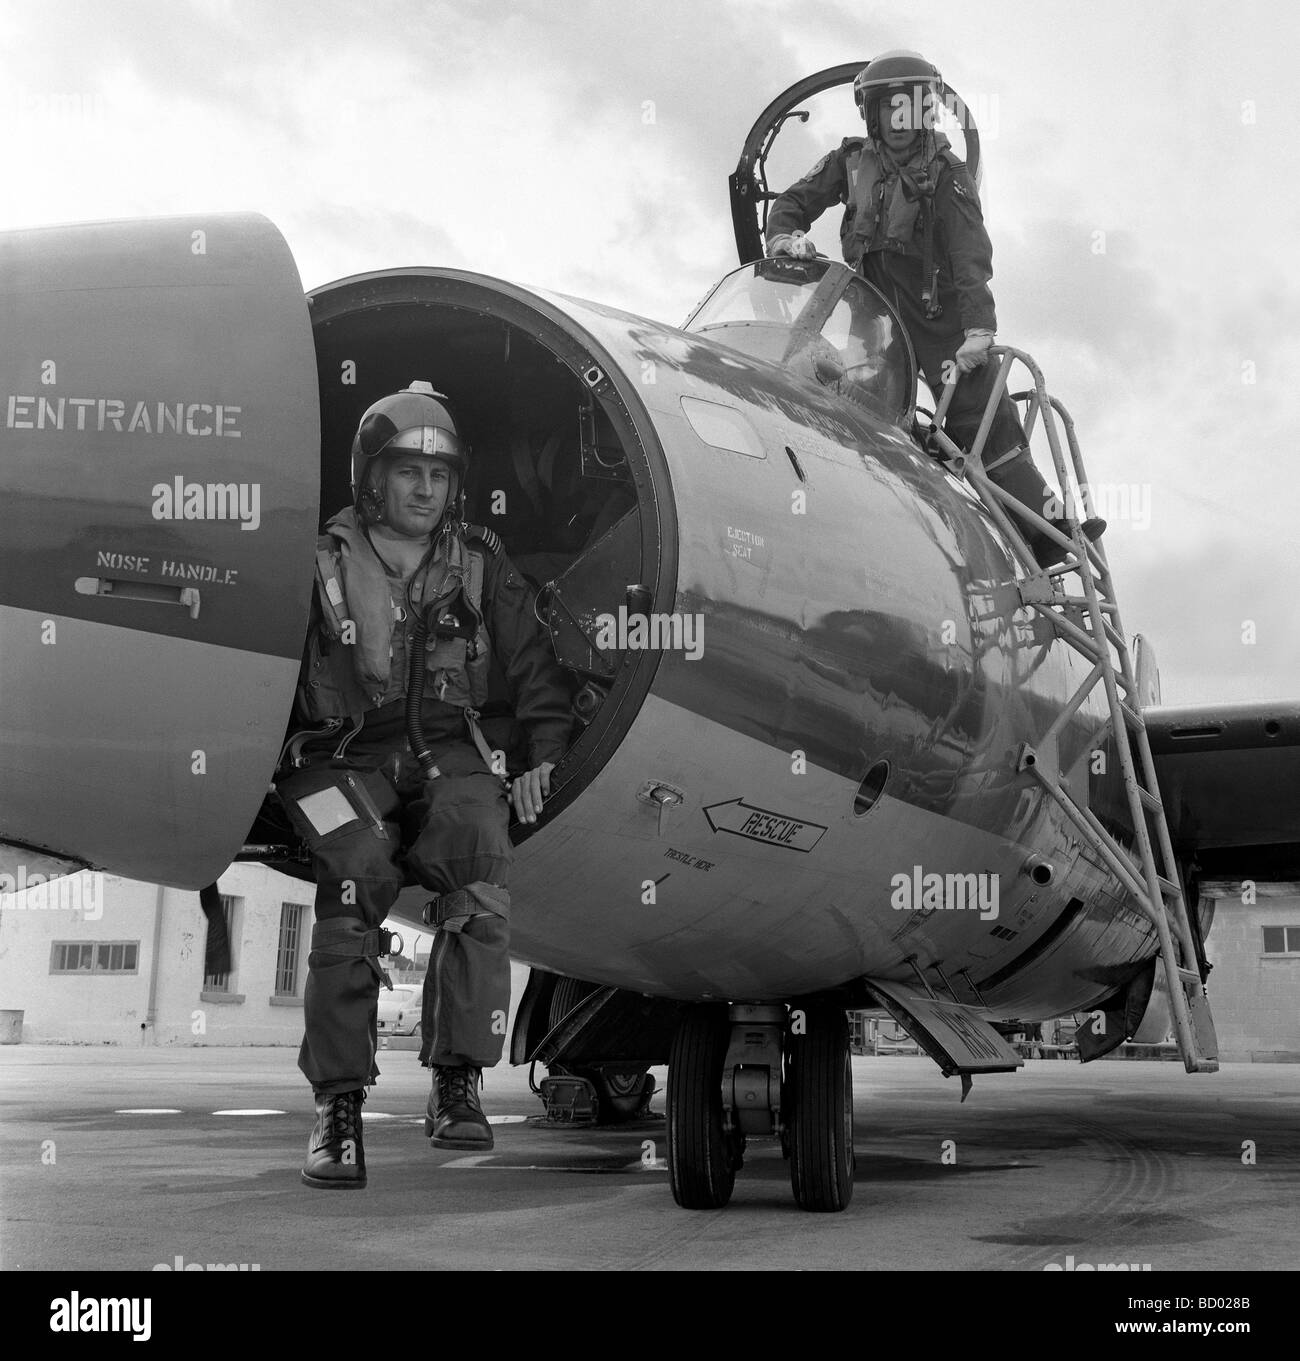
(1254, 987)
(97, 959)
(124, 964)
(127, 966)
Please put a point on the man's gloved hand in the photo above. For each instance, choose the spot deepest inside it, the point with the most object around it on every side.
(973, 351)
(794, 244)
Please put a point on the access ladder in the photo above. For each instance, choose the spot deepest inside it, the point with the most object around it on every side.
(1090, 623)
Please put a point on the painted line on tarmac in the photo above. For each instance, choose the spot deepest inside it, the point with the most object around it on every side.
(367, 1115)
(483, 1162)
(419, 1119)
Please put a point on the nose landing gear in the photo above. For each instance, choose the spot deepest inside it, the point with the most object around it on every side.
(702, 1156)
(819, 1085)
(745, 1071)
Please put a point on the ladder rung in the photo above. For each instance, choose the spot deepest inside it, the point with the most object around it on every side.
(1150, 801)
(1189, 976)
(1167, 886)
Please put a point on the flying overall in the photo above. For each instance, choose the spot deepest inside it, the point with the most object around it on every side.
(417, 616)
(913, 227)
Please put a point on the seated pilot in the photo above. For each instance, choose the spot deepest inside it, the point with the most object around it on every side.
(399, 760)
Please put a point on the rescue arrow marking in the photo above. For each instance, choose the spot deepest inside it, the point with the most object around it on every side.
(761, 824)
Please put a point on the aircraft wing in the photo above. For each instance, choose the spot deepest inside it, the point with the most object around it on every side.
(1229, 774)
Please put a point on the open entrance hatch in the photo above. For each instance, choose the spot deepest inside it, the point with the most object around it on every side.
(565, 466)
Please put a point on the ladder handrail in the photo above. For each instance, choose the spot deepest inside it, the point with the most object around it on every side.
(1155, 883)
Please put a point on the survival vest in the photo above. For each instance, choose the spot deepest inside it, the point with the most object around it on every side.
(866, 208)
(357, 659)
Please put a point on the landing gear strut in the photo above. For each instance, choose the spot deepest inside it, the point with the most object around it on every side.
(755, 1071)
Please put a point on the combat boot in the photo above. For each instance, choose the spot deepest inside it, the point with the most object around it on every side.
(454, 1118)
(1049, 554)
(336, 1159)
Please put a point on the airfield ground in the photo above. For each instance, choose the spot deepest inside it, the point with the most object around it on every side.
(1117, 1162)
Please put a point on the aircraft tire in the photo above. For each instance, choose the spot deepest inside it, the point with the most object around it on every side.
(820, 1078)
(568, 993)
(701, 1168)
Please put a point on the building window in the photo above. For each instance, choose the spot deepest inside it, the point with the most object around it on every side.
(106, 956)
(230, 910)
(286, 959)
(1282, 940)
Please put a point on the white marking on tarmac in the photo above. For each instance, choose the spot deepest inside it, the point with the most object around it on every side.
(249, 1112)
(506, 1119)
(482, 1162)
(149, 1110)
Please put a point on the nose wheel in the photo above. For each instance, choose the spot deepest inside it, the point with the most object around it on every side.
(723, 1075)
(819, 1118)
(702, 1159)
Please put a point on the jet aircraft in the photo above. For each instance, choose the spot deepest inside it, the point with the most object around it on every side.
(832, 748)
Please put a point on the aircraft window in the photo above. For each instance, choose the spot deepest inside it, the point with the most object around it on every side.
(870, 344)
(723, 427)
(871, 788)
(747, 296)
(820, 321)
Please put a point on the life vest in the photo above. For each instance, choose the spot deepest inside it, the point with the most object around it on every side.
(358, 658)
(865, 209)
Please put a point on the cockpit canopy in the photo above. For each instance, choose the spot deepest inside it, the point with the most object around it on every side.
(820, 320)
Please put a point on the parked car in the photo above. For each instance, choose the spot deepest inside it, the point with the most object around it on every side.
(399, 1010)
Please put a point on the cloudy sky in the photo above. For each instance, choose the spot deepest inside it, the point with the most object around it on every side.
(1139, 185)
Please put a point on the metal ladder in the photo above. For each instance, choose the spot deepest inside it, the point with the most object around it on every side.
(1090, 623)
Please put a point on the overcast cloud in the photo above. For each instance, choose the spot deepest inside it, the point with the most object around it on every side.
(585, 147)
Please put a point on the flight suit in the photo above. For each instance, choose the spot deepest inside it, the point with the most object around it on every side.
(369, 816)
(883, 235)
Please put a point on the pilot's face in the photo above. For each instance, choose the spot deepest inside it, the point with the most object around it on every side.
(415, 495)
(901, 121)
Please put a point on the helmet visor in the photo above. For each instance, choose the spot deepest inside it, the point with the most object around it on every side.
(431, 440)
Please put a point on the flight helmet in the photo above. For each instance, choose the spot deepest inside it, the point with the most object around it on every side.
(415, 420)
(899, 72)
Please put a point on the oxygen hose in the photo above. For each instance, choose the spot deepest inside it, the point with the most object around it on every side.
(414, 698)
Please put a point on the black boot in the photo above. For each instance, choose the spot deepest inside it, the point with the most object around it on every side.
(454, 1118)
(1049, 553)
(1093, 529)
(336, 1159)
